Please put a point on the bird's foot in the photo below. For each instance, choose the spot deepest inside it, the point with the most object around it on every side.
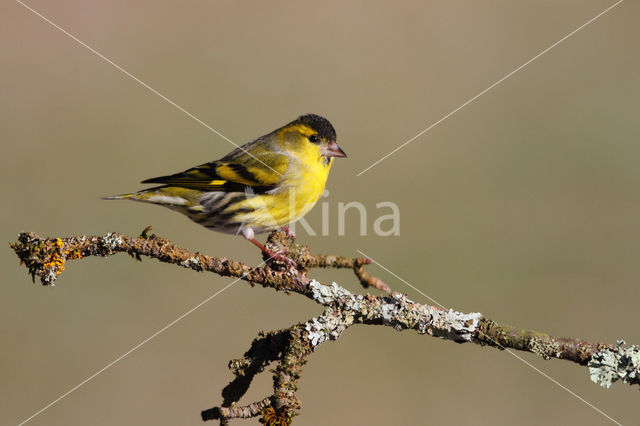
(277, 256)
(280, 257)
(289, 233)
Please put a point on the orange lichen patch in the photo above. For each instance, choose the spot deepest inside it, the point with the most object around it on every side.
(271, 417)
(76, 254)
(56, 261)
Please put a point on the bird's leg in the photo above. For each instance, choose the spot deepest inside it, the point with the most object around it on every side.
(249, 234)
(273, 255)
(290, 234)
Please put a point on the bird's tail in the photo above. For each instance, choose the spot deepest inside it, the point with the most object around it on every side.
(169, 196)
(142, 195)
(118, 197)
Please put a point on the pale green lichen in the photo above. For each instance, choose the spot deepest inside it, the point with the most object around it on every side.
(399, 312)
(49, 277)
(111, 241)
(611, 365)
(455, 325)
(327, 294)
(192, 263)
(546, 348)
(327, 326)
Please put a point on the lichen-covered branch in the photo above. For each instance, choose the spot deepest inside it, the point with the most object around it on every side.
(47, 258)
(290, 348)
(612, 364)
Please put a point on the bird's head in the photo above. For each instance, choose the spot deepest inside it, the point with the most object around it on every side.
(313, 137)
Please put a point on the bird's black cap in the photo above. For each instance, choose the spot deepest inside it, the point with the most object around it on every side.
(319, 124)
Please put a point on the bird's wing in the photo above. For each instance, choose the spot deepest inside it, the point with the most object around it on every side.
(226, 176)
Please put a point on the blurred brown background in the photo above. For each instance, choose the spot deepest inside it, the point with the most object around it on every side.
(523, 206)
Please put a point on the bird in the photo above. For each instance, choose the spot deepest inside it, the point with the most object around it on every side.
(263, 185)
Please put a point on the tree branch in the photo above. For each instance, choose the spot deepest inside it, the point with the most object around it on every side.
(289, 348)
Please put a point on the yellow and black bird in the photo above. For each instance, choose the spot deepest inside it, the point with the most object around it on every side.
(263, 185)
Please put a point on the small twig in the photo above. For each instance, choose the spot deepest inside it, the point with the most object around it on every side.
(264, 350)
(368, 280)
(244, 412)
(301, 254)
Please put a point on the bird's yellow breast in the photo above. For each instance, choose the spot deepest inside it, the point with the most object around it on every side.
(300, 188)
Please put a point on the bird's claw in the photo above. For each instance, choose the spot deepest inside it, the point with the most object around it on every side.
(289, 233)
(270, 256)
(282, 258)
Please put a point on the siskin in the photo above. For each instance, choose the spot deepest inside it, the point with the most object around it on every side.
(263, 185)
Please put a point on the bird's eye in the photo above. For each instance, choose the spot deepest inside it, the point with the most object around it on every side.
(314, 139)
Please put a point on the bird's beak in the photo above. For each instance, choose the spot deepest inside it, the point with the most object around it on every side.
(333, 150)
